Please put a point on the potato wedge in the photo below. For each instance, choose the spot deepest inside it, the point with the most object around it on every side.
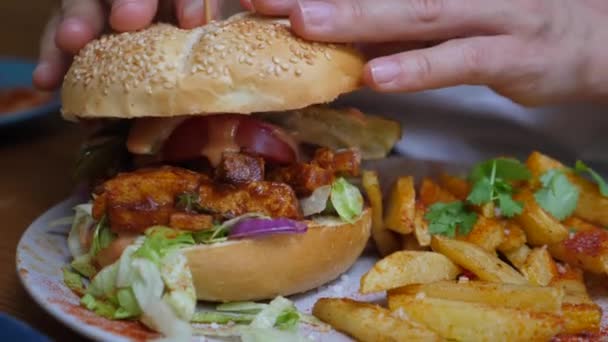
(513, 237)
(477, 260)
(385, 240)
(421, 226)
(585, 248)
(579, 318)
(526, 297)
(464, 321)
(592, 206)
(487, 233)
(517, 257)
(459, 187)
(570, 279)
(541, 228)
(401, 206)
(539, 267)
(368, 322)
(408, 267)
(431, 193)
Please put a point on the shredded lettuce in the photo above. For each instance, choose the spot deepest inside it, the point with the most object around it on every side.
(160, 241)
(221, 317)
(252, 334)
(180, 293)
(103, 285)
(84, 266)
(127, 303)
(73, 281)
(102, 236)
(82, 221)
(346, 200)
(243, 307)
(101, 307)
(316, 202)
(268, 316)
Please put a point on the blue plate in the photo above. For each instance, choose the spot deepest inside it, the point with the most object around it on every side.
(18, 73)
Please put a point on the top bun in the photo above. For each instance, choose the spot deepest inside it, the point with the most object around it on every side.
(244, 64)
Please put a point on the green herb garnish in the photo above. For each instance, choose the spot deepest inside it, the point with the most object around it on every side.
(450, 218)
(557, 196)
(491, 184)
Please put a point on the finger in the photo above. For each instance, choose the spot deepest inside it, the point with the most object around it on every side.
(246, 4)
(375, 50)
(390, 20)
(477, 60)
(131, 15)
(274, 7)
(52, 63)
(192, 13)
(81, 22)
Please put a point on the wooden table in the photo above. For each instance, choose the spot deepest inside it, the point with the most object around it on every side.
(36, 160)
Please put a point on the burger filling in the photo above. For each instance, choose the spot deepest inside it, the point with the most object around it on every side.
(165, 184)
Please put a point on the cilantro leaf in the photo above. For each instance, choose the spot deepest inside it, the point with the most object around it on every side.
(557, 196)
(481, 192)
(491, 184)
(581, 167)
(508, 206)
(505, 168)
(449, 218)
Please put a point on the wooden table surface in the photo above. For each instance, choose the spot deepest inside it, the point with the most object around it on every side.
(36, 160)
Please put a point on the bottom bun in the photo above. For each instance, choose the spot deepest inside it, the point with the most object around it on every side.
(263, 268)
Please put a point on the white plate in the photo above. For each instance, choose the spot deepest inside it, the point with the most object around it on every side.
(42, 252)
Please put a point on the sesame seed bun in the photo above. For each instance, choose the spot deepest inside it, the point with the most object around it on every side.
(244, 64)
(256, 269)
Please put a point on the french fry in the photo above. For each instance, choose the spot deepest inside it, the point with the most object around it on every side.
(385, 240)
(457, 186)
(584, 317)
(431, 193)
(578, 224)
(570, 279)
(401, 206)
(513, 237)
(526, 297)
(421, 226)
(487, 233)
(591, 206)
(541, 228)
(539, 267)
(368, 322)
(517, 257)
(408, 267)
(477, 260)
(585, 248)
(464, 321)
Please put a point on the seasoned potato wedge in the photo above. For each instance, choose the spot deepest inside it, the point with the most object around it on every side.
(431, 193)
(541, 228)
(477, 260)
(386, 241)
(421, 226)
(368, 322)
(401, 206)
(408, 267)
(464, 321)
(517, 257)
(459, 187)
(513, 237)
(539, 267)
(488, 233)
(527, 297)
(592, 206)
(584, 317)
(585, 248)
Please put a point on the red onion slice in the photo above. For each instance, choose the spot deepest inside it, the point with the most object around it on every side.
(262, 227)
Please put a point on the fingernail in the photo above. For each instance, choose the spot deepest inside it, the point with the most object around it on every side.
(193, 9)
(385, 71)
(316, 13)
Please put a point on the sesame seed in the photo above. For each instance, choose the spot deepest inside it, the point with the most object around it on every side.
(276, 60)
(327, 55)
(298, 72)
(285, 66)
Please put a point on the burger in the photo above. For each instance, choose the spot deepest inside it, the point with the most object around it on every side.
(218, 168)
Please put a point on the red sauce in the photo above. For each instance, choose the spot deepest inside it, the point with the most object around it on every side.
(589, 242)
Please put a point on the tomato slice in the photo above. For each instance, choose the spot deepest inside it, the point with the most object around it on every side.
(210, 135)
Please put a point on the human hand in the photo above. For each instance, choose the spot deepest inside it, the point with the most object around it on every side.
(532, 51)
(79, 21)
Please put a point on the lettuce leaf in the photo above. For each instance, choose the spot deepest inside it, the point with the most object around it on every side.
(346, 200)
(180, 293)
(101, 307)
(221, 317)
(160, 241)
(73, 281)
(84, 266)
(82, 221)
